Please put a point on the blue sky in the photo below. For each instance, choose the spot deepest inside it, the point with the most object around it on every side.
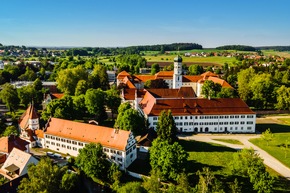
(104, 23)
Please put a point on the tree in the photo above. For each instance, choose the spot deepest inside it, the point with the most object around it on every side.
(11, 130)
(67, 79)
(283, 98)
(226, 93)
(60, 108)
(45, 177)
(95, 103)
(248, 164)
(262, 86)
(195, 69)
(113, 100)
(69, 182)
(99, 77)
(235, 187)
(9, 96)
(267, 136)
(166, 128)
(157, 83)
(244, 80)
(26, 94)
(155, 68)
(92, 161)
(79, 106)
(206, 179)
(153, 183)
(210, 89)
(130, 120)
(169, 159)
(132, 187)
(114, 176)
(81, 87)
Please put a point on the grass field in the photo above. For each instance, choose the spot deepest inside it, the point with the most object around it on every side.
(277, 147)
(273, 53)
(215, 60)
(232, 141)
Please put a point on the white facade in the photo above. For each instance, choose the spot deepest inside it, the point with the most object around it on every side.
(235, 123)
(71, 147)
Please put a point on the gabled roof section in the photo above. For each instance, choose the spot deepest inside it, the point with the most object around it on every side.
(165, 74)
(191, 78)
(123, 74)
(222, 82)
(208, 74)
(128, 82)
(8, 143)
(129, 94)
(56, 95)
(198, 106)
(185, 92)
(108, 137)
(30, 113)
(144, 78)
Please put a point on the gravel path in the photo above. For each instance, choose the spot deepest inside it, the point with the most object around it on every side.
(268, 159)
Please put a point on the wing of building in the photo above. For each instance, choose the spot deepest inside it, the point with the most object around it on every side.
(202, 115)
(67, 137)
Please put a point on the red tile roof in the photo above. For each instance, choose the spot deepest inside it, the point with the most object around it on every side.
(145, 78)
(56, 95)
(165, 74)
(197, 106)
(222, 82)
(129, 94)
(193, 78)
(123, 74)
(8, 143)
(208, 74)
(89, 133)
(185, 92)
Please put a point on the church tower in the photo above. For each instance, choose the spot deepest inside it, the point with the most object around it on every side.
(177, 75)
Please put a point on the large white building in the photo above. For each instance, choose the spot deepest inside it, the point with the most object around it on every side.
(200, 114)
(67, 137)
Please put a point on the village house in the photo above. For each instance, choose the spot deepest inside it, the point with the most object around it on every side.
(16, 164)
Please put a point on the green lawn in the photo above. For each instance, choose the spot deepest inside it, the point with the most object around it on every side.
(232, 141)
(285, 120)
(276, 146)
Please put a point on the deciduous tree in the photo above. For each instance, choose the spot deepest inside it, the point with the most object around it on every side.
(9, 96)
(92, 160)
(166, 127)
(267, 136)
(113, 100)
(168, 159)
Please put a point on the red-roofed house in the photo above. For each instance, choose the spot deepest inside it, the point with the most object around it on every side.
(68, 137)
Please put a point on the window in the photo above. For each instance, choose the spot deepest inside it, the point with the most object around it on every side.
(48, 142)
(190, 117)
(63, 146)
(250, 116)
(119, 152)
(57, 139)
(81, 144)
(249, 122)
(186, 123)
(119, 159)
(249, 128)
(181, 118)
(190, 123)
(75, 149)
(52, 143)
(154, 123)
(242, 122)
(195, 123)
(242, 116)
(131, 155)
(231, 116)
(68, 141)
(155, 118)
(57, 144)
(68, 147)
(47, 136)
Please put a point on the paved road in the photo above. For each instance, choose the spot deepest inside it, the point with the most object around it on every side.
(268, 159)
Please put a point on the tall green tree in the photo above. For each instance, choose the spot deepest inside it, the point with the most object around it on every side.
(195, 69)
(130, 120)
(26, 94)
(248, 164)
(210, 89)
(67, 79)
(283, 98)
(166, 127)
(99, 77)
(95, 103)
(9, 96)
(92, 161)
(153, 183)
(169, 159)
(244, 81)
(81, 87)
(46, 177)
(113, 100)
(155, 68)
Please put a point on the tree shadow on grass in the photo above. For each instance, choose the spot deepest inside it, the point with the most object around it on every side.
(197, 146)
(275, 128)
